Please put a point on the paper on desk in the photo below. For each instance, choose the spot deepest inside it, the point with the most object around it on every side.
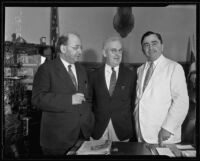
(189, 153)
(95, 147)
(165, 151)
(182, 147)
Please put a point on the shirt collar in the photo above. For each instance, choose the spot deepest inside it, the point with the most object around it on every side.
(155, 62)
(66, 63)
(108, 68)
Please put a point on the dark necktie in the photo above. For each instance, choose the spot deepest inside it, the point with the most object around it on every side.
(148, 75)
(112, 82)
(72, 76)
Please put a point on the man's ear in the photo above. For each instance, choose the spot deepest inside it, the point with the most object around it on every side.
(162, 48)
(143, 50)
(63, 48)
(104, 53)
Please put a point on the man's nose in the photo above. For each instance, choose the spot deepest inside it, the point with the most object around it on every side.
(79, 50)
(150, 46)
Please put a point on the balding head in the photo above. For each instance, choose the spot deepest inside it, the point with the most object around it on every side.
(111, 39)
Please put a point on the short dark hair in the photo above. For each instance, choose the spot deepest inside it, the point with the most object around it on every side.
(151, 33)
(63, 40)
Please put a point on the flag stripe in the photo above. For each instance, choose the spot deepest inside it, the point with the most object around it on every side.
(54, 30)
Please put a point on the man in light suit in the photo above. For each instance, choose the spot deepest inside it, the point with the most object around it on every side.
(61, 93)
(162, 98)
(113, 103)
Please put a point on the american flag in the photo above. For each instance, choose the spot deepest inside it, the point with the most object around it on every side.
(54, 28)
(191, 52)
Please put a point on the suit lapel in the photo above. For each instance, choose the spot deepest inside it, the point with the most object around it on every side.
(156, 70)
(102, 79)
(140, 75)
(81, 80)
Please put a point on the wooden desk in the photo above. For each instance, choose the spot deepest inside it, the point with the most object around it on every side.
(129, 148)
(132, 148)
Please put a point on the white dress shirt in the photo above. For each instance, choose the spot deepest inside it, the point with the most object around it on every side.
(72, 67)
(108, 73)
(42, 59)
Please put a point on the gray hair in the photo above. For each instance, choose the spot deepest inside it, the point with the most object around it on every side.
(111, 39)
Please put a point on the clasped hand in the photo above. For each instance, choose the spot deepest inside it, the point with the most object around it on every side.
(162, 136)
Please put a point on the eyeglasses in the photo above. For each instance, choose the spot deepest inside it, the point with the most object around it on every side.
(114, 51)
(76, 47)
(147, 45)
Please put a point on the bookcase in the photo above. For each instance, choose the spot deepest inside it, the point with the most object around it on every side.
(21, 61)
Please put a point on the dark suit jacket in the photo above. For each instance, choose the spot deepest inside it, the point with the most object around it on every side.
(52, 93)
(118, 107)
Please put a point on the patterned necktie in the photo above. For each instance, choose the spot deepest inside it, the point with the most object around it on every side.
(72, 76)
(112, 81)
(148, 75)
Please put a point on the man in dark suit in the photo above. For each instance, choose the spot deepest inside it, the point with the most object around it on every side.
(60, 91)
(113, 95)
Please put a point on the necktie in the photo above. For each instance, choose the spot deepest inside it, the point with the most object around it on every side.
(72, 76)
(112, 81)
(148, 75)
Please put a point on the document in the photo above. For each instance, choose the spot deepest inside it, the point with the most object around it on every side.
(95, 147)
(189, 153)
(165, 151)
(183, 147)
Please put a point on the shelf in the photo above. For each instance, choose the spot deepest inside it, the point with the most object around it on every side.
(15, 77)
(25, 48)
(12, 66)
(29, 65)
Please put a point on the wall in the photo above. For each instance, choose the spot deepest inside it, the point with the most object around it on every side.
(35, 22)
(94, 24)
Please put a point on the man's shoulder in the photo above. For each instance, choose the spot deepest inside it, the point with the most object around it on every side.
(171, 65)
(141, 67)
(78, 64)
(95, 73)
(47, 63)
(80, 67)
(171, 62)
(98, 68)
(128, 68)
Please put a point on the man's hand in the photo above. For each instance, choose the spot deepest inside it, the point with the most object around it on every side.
(78, 98)
(162, 136)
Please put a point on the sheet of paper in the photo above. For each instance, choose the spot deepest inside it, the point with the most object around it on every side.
(95, 147)
(182, 147)
(152, 152)
(189, 153)
(165, 151)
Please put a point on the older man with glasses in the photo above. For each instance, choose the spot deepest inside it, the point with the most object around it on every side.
(60, 90)
(113, 95)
